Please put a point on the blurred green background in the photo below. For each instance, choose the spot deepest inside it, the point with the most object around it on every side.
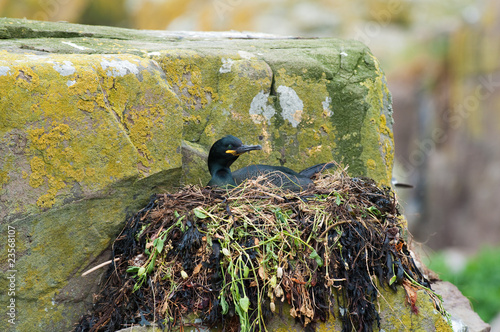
(442, 61)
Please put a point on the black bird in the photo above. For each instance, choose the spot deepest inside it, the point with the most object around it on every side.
(226, 150)
(222, 155)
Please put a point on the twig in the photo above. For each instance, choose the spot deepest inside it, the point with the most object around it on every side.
(100, 265)
(331, 226)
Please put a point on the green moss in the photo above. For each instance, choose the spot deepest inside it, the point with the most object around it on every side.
(25, 32)
(317, 134)
(377, 98)
(194, 164)
(237, 88)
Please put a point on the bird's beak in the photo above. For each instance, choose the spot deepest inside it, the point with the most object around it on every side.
(244, 148)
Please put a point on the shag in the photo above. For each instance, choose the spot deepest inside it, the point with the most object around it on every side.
(224, 153)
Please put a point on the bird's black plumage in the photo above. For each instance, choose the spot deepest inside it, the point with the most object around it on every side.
(226, 150)
(222, 155)
(278, 175)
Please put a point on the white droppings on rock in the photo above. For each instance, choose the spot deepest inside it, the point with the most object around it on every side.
(291, 105)
(70, 83)
(4, 70)
(326, 106)
(246, 55)
(65, 69)
(119, 67)
(74, 45)
(226, 65)
(260, 110)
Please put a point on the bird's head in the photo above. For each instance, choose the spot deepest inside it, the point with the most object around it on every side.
(225, 151)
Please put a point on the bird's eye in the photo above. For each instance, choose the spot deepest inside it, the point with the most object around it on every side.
(229, 146)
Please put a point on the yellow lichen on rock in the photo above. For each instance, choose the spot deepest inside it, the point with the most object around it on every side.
(90, 120)
(185, 76)
(371, 164)
(401, 318)
(37, 172)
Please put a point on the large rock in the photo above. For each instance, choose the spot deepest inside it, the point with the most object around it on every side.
(93, 120)
(458, 306)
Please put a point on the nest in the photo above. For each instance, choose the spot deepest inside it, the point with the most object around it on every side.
(234, 258)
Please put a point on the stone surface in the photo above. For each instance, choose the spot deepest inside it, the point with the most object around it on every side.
(93, 120)
(458, 306)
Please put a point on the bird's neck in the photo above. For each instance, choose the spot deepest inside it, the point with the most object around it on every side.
(221, 176)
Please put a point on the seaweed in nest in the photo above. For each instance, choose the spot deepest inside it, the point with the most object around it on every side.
(233, 258)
